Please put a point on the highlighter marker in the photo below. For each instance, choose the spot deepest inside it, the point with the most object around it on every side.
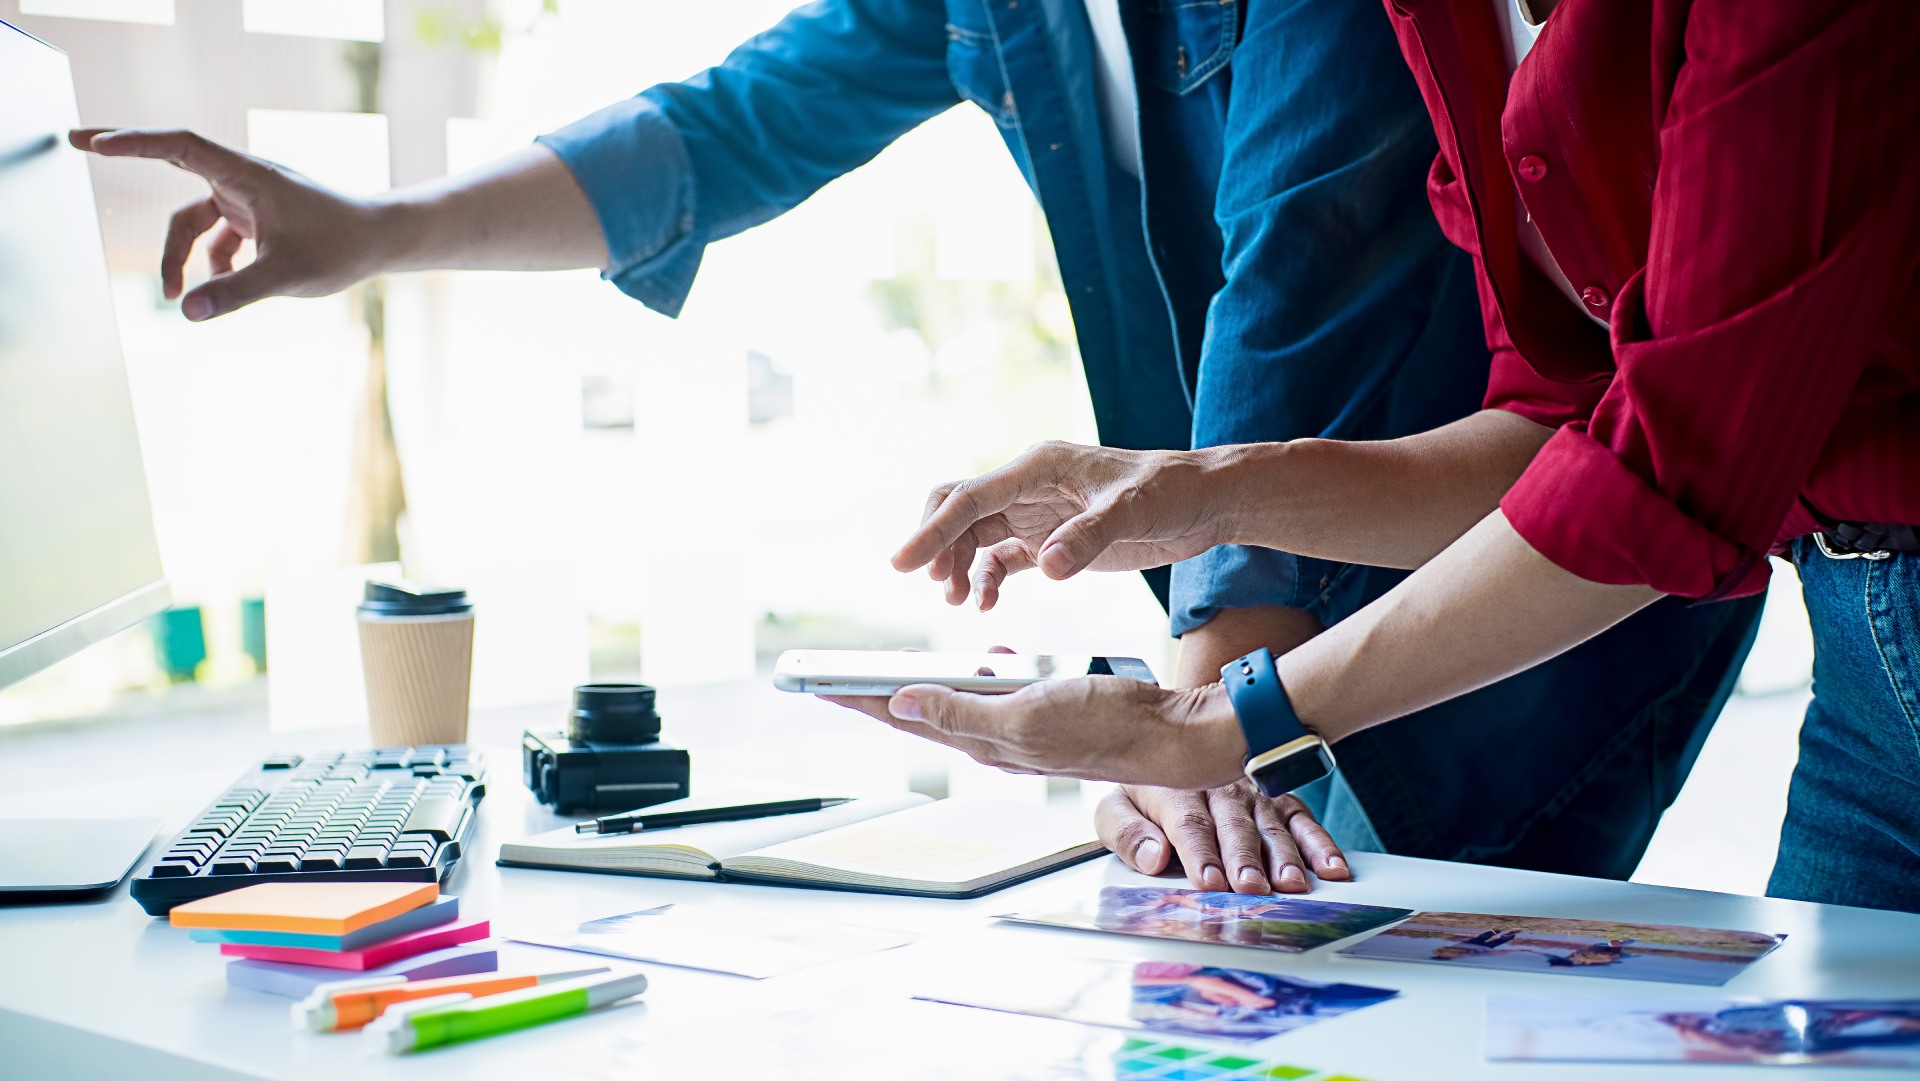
(435, 1022)
(352, 1003)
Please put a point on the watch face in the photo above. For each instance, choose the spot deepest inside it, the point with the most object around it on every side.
(1293, 771)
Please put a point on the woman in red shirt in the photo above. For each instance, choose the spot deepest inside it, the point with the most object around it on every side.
(1697, 229)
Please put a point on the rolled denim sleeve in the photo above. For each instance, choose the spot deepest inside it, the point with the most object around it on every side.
(633, 165)
(1345, 313)
(814, 97)
(1239, 576)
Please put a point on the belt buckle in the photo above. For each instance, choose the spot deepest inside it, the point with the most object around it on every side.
(1827, 550)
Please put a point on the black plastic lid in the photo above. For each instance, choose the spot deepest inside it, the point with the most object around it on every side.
(406, 599)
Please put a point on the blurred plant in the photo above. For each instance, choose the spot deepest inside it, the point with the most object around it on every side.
(938, 310)
(377, 494)
(447, 26)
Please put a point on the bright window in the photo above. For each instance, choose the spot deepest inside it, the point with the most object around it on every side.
(351, 20)
(158, 12)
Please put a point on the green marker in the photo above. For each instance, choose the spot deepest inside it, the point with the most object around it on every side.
(434, 1022)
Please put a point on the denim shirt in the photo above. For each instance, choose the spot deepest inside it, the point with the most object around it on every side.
(1274, 273)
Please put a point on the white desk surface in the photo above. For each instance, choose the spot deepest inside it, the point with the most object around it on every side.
(96, 990)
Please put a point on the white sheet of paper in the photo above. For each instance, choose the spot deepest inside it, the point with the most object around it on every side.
(735, 943)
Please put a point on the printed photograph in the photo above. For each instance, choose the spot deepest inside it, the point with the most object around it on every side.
(1791, 1032)
(1621, 951)
(1164, 997)
(1272, 922)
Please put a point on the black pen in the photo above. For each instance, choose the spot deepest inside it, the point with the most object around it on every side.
(635, 821)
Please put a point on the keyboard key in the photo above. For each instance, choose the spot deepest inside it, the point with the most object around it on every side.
(230, 865)
(437, 818)
(329, 860)
(172, 869)
(277, 865)
(412, 858)
(365, 856)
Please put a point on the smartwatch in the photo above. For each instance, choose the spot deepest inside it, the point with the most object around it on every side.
(1282, 756)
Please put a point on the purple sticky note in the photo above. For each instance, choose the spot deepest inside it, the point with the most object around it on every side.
(298, 981)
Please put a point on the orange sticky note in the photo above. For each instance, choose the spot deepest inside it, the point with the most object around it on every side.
(316, 908)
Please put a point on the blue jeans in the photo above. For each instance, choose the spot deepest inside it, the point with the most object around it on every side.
(1852, 834)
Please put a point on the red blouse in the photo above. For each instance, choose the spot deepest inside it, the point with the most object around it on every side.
(1735, 186)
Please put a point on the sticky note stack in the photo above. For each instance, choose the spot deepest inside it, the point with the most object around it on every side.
(288, 938)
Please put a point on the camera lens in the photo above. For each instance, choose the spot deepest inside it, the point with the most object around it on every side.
(613, 713)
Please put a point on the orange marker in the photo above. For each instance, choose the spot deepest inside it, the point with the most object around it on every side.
(350, 1004)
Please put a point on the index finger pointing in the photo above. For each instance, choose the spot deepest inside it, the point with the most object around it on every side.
(188, 150)
(965, 505)
(82, 138)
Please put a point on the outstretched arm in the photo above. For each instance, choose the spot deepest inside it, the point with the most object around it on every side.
(524, 212)
(637, 189)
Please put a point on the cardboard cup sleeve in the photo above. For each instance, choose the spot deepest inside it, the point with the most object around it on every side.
(419, 670)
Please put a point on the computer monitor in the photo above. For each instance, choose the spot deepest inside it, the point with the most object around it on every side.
(78, 556)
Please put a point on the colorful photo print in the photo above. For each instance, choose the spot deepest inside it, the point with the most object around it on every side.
(1171, 997)
(1620, 951)
(1792, 1032)
(1271, 922)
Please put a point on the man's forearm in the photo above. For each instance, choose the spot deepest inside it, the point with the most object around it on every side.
(1390, 503)
(1485, 608)
(522, 212)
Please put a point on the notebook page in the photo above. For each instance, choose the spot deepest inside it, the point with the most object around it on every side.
(952, 841)
(710, 842)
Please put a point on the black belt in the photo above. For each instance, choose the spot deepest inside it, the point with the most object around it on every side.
(1867, 540)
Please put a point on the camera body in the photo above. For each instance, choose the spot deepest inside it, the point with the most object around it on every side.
(609, 758)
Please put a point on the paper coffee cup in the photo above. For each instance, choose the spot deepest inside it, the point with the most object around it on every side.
(416, 648)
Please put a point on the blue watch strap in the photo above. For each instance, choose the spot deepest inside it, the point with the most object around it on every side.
(1260, 703)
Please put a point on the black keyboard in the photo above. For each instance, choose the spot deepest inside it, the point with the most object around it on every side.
(399, 814)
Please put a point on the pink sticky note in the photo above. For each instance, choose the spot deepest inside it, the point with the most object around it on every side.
(380, 953)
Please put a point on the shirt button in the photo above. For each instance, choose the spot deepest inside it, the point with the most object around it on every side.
(1595, 296)
(1533, 168)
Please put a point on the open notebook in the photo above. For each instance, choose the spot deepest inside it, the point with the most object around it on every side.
(904, 844)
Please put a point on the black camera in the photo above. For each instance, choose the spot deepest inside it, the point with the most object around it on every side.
(610, 758)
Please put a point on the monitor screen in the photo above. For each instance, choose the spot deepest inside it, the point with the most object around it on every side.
(78, 556)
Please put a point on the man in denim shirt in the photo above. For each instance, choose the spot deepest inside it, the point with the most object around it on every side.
(1234, 191)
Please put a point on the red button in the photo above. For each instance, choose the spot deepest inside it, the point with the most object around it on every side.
(1533, 168)
(1595, 296)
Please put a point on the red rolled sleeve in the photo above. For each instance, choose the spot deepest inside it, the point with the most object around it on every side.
(1784, 236)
